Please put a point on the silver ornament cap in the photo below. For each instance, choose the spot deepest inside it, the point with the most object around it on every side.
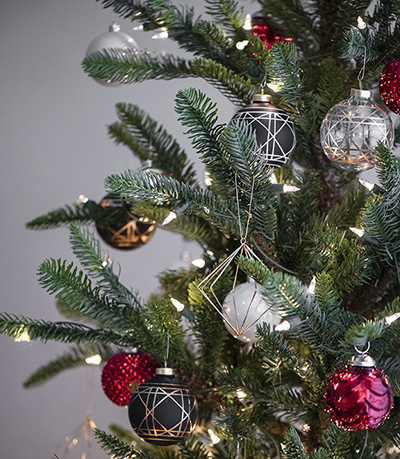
(165, 371)
(362, 360)
(361, 93)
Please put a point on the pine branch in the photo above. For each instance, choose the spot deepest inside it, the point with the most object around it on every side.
(292, 447)
(226, 13)
(89, 211)
(66, 332)
(134, 10)
(164, 151)
(118, 448)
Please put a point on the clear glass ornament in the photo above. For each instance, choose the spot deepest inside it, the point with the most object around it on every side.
(244, 307)
(352, 129)
(114, 38)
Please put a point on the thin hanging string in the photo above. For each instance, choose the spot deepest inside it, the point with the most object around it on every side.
(166, 351)
(361, 73)
(243, 236)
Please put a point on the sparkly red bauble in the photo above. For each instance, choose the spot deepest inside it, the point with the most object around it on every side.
(359, 398)
(389, 85)
(268, 30)
(123, 372)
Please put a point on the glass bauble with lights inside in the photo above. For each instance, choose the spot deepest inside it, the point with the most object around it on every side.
(124, 372)
(113, 39)
(245, 307)
(163, 411)
(352, 129)
(126, 236)
(359, 396)
(274, 130)
(389, 85)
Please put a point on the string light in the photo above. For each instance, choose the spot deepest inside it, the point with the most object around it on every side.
(241, 394)
(283, 326)
(214, 438)
(171, 216)
(358, 231)
(361, 24)
(306, 428)
(276, 87)
(290, 188)
(247, 22)
(390, 319)
(161, 35)
(368, 185)
(199, 263)
(240, 45)
(22, 336)
(311, 287)
(178, 305)
(93, 359)
(82, 199)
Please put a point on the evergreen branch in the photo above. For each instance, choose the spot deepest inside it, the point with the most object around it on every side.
(226, 13)
(128, 66)
(237, 88)
(161, 148)
(73, 358)
(90, 211)
(75, 288)
(203, 203)
(99, 265)
(134, 10)
(66, 332)
(292, 447)
(118, 448)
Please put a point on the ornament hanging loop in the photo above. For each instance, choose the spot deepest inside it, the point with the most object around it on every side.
(166, 351)
(243, 237)
(365, 351)
(361, 73)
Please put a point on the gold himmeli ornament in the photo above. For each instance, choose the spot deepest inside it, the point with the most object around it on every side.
(129, 236)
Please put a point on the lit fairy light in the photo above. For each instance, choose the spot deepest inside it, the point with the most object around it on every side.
(139, 27)
(171, 216)
(273, 179)
(240, 45)
(368, 185)
(358, 231)
(361, 24)
(290, 188)
(241, 394)
(178, 305)
(311, 287)
(214, 438)
(93, 359)
(22, 336)
(82, 199)
(247, 22)
(390, 319)
(276, 87)
(207, 178)
(161, 35)
(283, 326)
(199, 262)
(306, 428)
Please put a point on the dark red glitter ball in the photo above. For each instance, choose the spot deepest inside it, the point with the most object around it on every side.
(359, 398)
(123, 371)
(389, 85)
(269, 32)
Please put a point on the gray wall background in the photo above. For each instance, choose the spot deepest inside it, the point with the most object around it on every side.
(54, 147)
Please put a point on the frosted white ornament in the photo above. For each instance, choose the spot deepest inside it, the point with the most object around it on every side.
(244, 307)
(114, 38)
(352, 129)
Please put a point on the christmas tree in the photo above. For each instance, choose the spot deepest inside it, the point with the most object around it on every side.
(284, 337)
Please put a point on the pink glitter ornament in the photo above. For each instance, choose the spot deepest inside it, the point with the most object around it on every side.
(389, 85)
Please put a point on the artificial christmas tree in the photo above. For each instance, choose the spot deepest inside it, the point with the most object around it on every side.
(269, 394)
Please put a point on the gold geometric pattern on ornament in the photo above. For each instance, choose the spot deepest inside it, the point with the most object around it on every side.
(153, 397)
(355, 146)
(130, 233)
(206, 288)
(270, 149)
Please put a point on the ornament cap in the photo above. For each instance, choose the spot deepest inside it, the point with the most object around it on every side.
(114, 27)
(362, 360)
(262, 98)
(165, 371)
(361, 93)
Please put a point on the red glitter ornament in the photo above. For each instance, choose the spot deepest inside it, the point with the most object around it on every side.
(123, 372)
(389, 85)
(359, 396)
(268, 30)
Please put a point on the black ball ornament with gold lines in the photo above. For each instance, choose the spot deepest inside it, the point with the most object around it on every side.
(162, 410)
(275, 132)
(127, 236)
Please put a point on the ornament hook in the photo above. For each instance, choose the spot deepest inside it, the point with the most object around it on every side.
(166, 351)
(361, 73)
(365, 351)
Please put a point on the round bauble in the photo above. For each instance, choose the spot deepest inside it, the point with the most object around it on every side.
(389, 85)
(124, 372)
(352, 129)
(163, 411)
(114, 38)
(269, 31)
(129, 236)
(275, 134)
(359, 396)
(245, 307)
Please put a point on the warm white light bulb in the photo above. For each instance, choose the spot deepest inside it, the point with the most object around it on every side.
(358, 231)
(247, 22)
(161, 35)
(93, 359)
(214, 438)
(179, 306)
(390, 319)
(368, 185)
(311, 287)
(240, 45)
(22, 335)
(199, 263)
(361, 23)
(283, 326)
(171, 216)
(290, 188)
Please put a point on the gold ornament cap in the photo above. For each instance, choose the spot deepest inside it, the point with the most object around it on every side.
(361, 93)
(165, 371)
(262, 98)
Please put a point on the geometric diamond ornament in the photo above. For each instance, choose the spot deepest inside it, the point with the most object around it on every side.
(274, 130)
(163, 411)
(352, 129)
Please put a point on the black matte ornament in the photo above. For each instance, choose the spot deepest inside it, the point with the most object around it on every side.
(163, 411)
(275, 133)
(128, 236)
